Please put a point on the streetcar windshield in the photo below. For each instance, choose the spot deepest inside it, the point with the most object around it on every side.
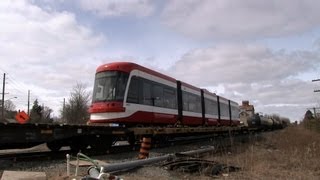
(109, 86)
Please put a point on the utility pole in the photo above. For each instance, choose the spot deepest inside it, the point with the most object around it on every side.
(28, 102)
(317, 90)
(3, 91)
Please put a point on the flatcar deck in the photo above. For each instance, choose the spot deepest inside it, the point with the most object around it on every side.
(13, 135)
(185, 130)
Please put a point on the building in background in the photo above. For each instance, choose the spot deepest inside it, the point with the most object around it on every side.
(246, 111)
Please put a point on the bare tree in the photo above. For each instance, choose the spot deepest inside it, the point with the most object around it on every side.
(46, 115)
(9, 106)
(9, 109)
(75, 110)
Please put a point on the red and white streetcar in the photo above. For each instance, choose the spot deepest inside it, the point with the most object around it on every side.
(127, 94)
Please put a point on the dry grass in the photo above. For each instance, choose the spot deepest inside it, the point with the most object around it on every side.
(312, 124)
(292, 153)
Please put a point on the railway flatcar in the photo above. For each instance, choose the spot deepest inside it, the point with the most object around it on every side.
(126, 94)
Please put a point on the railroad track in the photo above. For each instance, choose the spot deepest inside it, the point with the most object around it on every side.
(50, 155)
(221, 142)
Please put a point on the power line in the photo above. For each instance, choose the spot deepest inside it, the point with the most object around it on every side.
(14, 86)
(315, 80)
(17, 82)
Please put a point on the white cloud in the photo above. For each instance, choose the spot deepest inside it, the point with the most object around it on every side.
(316, 44)
(230, 19)
(242, 63)
(289, 98)
(252, 72)
(28, 26)
(47, 52)
(277, 93)
(111, 8)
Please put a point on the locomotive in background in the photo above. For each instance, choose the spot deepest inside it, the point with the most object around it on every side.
(257, 120)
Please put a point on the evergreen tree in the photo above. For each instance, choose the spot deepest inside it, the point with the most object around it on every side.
(35, 113)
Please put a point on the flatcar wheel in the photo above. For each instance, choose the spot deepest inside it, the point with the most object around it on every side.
(54, 146)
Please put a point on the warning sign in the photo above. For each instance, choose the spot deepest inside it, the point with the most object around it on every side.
(22, 117)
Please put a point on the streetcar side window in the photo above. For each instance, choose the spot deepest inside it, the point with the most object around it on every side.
(191, 102)
(198, 107)
(234, 112)
(169, 98)
(133, 92)
(224, 108)
(146, 92)
(211, 107)
(185, 101)
(158, 95)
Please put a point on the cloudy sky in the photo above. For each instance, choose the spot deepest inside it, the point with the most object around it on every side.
(266, 52)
